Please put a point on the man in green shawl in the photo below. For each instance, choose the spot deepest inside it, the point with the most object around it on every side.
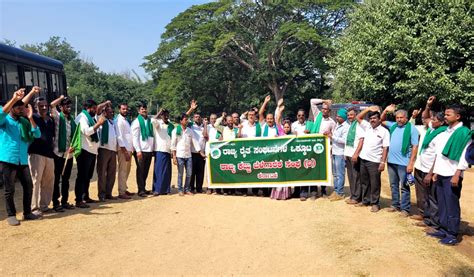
(64, 130)
(448, 168)
(401, 158)
(143, 143)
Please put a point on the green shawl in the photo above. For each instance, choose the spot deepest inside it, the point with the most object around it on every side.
(265, 130)
(63, 132)
(430, 135)
(146, 130)
(406, 137)
(456, 143)
(94, 136)
(25, 130)
(313, 127)
(104, 135)
(351, 134)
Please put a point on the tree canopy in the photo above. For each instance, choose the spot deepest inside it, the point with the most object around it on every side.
(229, 54)
(404, 51)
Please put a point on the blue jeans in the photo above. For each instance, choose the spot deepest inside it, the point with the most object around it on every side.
(188, 163)
(339, 173)
(397, 175)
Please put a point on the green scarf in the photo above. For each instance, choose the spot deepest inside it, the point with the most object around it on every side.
(94, 136)
(258, 129)
(25, 130)
(406, 137)
(179, 129)
(351, 134)
(456, 143)
(62, 131)
(170, 128)
(314, 127)
(104, 135)
(218, 135)
(430, 135)
(146, 130)
(76, 143)
(265, 131)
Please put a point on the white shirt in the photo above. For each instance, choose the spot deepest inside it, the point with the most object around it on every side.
(139, 144)
(229, 134)
(162, 139)
(272, 131)
(86, 133)
(112, 143)
(249, 131)
(360, 134)
(374, 142)
(424, 160)
(199, 136)
(124, 133)
(339, 138)
(443, 165)
(182, 144)
(212, 133)
(55, 117)
(298, 128)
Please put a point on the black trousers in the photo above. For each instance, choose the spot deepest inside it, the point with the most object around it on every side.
(62, 191)
(197, 177)
(353, 174)
(85, 171)
(143, 167)
(426, 200)
(9, 172)
(370, 182)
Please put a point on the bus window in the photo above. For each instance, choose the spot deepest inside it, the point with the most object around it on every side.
(13, 81)
(2, 90)
(35, 77)
(55, 84)
(28, 78)
(43, 84)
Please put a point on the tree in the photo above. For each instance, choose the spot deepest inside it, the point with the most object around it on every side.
(228, 51)
(405, 51)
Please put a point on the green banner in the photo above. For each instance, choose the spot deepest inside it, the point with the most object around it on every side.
(270, 162)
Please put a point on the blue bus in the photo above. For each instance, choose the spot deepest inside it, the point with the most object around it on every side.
(24, 69)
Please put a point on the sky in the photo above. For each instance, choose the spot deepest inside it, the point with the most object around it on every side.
(115, 35)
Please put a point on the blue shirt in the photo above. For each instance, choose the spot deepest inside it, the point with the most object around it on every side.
(14, 150)
(395, 155)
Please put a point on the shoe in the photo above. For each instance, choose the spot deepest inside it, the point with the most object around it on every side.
(91, 201)
(12, 221)
(361, 205)
(82, 205)
(417, 217)
(124, 196)
(332, 195)
(302, 198)
(129, 193)
(260, 193)
(209, 192)
(404, 214)
(337, 197)
(101, 199)
(59, 209)
(449, 241)
(31, 216)
(181, 193)
(110, 197)
(156, 194)
(142, 194)
(438, 234)
(37, 213)
(225, 194)
(68, 206)
(238, 193)
(352, 202)
(45, 210)
(375, 208)
(189, 193)
(214, 193)
(392, 210)
(148, 192)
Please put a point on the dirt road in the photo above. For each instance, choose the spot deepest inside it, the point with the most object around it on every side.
(223, 235)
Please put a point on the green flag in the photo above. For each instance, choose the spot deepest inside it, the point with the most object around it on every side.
(76, 141)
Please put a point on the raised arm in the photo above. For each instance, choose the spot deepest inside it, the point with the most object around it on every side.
(389, 109)
(101, 106)
(279, 111)
(360, 117)
(17, 96)
(34, 91)
(192, 107)
(205, 134)
(426, 115)
(261, 112)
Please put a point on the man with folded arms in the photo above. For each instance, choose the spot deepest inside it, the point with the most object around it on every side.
(16, 133)
(447, 173)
